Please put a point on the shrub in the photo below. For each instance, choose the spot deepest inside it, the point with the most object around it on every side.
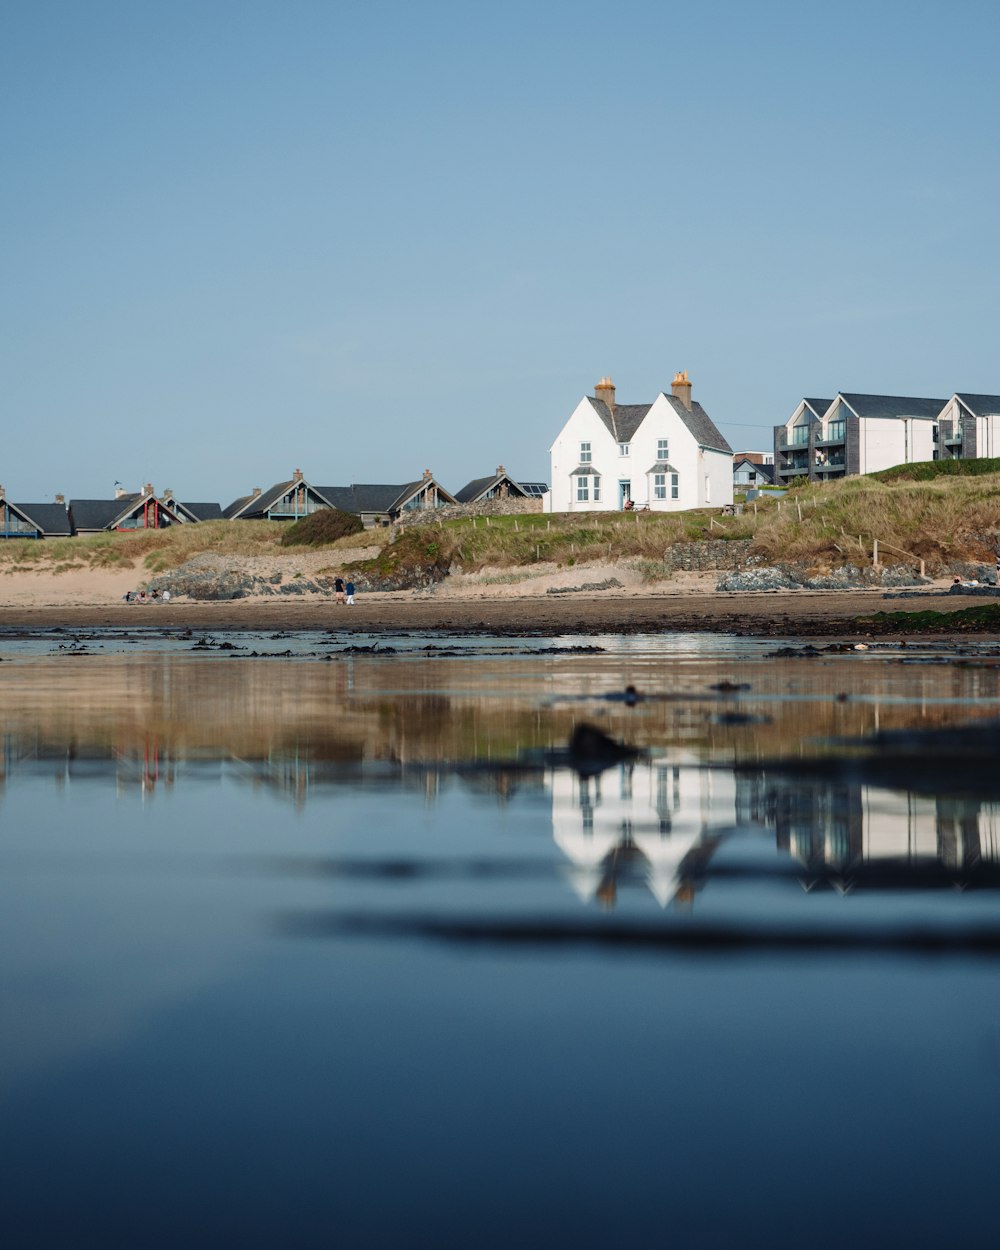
(321, 528)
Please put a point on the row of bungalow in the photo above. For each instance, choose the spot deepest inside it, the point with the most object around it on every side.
(375, 504)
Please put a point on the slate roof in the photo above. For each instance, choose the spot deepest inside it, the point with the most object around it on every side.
(765, 471)
(202, 511)
(49, 518)
(98, 514)
(892, 406)
(472, 490)
(819, 406)
(248, 506)
(628, 417)
(980, 405)
(374, 496)
(479, 486)
(706, 433)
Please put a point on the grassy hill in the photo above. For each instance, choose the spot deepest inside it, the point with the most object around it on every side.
(945, 518)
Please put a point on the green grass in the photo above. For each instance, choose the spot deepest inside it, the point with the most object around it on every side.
(981, 619)
(928, 470)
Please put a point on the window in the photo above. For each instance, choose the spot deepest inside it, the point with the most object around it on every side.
(660, 485)
(624, 449)
(585, 456)
(835, 431)
(675, 486)
(584, 486)
(663, 449)
(800, 433)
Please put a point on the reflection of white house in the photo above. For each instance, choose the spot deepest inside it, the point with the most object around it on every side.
(640, 822)
(665, 456)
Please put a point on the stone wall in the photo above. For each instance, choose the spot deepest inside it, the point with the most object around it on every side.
(455, 512)
(710, 554)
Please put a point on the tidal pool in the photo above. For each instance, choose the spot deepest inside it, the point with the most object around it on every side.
(346, 946)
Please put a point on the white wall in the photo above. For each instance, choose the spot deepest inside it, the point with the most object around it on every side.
(881, 444)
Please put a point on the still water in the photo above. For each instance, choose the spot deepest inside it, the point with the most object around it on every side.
(311, 939)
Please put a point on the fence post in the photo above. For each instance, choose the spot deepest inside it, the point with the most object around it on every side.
(874, 553)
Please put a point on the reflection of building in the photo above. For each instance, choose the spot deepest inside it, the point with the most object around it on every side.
(869, 831)
(652, 824)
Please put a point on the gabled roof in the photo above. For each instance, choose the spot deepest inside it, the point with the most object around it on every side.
(106, 514)
(200, 511)
(819, 406)
(980, 405)
(892, 406)
(377, 497)
(100, 514)
(248, 506)
(626, 419)
(701, 425)
(47, 518)
(762, 470)
(480, 486)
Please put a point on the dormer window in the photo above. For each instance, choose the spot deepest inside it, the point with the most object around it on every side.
(663, 449)
(624, 449)
(585, 453)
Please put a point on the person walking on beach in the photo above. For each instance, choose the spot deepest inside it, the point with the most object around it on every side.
(350, 594)
(338, 586)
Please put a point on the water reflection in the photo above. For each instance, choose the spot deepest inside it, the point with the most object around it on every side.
(293, 948)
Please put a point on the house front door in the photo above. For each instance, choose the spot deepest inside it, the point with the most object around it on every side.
(624, 492)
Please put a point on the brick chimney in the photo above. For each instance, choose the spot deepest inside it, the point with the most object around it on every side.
(148, 488)
(1, 492)
(297, 475)
(605, 390)
(59, 498)
(500, 470)
(255, 492)
(120, 492)
(681, 389)
(427, 475)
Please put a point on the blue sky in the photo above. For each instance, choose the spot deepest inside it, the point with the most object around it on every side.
(366, 239)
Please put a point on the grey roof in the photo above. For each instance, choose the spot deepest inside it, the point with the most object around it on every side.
(819, 406)
(474, 489)
(202, 511)
(478, 487)
(100, 514)
(49, 518)
(628, 417)
(661, 466)
(892, 406)
(104, 514)
(701, 425)
(249, 506)
(762, 470)
(980, 404)
(625, 421)
(375, 496)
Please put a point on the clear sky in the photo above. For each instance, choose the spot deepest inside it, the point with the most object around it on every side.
(365, 239)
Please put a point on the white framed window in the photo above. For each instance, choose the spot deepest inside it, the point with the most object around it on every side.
(660, 485)
(588, 488)
(624, 449)
(663, 449)
(585, 453)
(675, 486)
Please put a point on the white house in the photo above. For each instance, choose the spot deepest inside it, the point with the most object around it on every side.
(969, 427)
(665, 456)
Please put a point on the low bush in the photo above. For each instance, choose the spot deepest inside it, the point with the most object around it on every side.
(322, 528)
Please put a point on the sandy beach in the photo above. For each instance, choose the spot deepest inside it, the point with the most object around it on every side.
(558, 604)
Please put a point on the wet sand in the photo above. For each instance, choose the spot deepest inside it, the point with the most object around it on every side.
(772, 614)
